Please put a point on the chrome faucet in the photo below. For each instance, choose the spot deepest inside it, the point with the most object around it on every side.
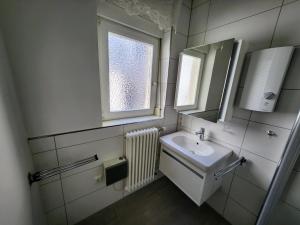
(201, 133)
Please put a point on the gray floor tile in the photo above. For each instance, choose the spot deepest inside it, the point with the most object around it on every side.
(160, 203)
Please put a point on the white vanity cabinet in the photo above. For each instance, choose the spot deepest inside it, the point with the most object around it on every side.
(191, 164)
(196, 184)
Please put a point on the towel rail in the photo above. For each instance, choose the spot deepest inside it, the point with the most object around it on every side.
(230, 167)
(44, 174)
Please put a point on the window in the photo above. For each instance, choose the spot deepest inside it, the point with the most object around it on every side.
(189, 76)
(128, 71)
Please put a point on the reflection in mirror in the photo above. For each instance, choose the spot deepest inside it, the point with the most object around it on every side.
(204, 76)
(191, 71)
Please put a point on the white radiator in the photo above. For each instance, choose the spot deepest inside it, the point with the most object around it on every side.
(141, 150)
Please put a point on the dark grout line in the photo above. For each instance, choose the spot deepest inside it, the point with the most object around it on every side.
(243, 207)
(248, 181)
(253, 121)
(193, 35)
(190, 19)
(214, 28)
(61, 185)
(197, 6)
(71, 132)
(209, 5)
(234, 171)
(289, 204)
(249, 151)
(277, 19)
(87, 142)
(288, 3)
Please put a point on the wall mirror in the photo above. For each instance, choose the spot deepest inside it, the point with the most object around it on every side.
(207, 79)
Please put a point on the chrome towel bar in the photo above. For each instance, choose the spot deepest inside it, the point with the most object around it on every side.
(44, 174)
(230, 167)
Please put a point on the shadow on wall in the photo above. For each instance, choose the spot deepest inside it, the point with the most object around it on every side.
(19, 204)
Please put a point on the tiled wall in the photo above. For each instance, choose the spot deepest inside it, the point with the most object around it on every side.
(82, 191)
(76, 195)
(264, 24)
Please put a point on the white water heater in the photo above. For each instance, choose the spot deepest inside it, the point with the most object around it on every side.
(264, 76)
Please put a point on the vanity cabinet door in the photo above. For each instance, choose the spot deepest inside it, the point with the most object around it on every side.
(184, 177)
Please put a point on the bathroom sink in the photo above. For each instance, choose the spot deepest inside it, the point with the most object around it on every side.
(204, 154)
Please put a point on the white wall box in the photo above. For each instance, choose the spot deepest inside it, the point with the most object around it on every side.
(264, 76)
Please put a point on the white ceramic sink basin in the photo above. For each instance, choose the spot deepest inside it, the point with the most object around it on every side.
(204, 154)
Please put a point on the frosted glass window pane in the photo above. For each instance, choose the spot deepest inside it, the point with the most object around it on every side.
(188, 81)
(130, 72)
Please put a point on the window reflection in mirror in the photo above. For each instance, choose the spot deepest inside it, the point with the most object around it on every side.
(188, 82)
(201, 79)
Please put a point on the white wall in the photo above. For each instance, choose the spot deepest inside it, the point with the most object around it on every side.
(242, 194)
(19, 204)
(75, 195)
(53, 50)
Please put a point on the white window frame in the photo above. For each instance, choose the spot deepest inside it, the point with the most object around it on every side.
(106, 26)
(196, 103)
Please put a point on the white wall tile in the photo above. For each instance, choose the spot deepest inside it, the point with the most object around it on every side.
(237, 215)
(230, 132)
(187, 3)
(292, 79)
(87, 136)
(257, 170)
(106, 149)
(199, 19)
(247, 195)
(186, 122)
(42, 144)
(241, 113)
(226, 182)
(51, 195)
(291, 193)
(222, 12)
(170, 128)
(258, 38)
(83, 183)
(45, 160)
(289, 19)
(178, 43)
(238, 112)
(217, 201)
(170, 94)
(184, 20)
(81, 208)
(269, 147)
(195, 40)
(172, 78)
(284, 215)
(196, 3)
(170, 115)
(285, 112)
(288, 1)
(57, 217)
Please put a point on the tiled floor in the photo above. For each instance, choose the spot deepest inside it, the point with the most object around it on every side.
(160, 203)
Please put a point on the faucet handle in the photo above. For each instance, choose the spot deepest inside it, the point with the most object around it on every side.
(201, 131)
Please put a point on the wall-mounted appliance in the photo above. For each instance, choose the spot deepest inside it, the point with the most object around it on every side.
(265, 72)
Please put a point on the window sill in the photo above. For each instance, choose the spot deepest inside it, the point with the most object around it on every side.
(117, 122)
(191, 111)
